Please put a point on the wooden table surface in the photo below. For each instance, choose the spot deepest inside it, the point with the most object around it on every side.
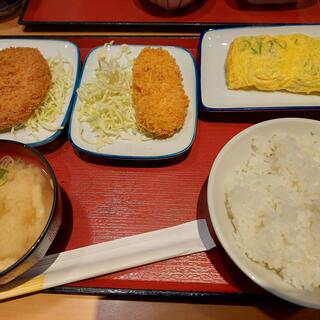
(58, 306)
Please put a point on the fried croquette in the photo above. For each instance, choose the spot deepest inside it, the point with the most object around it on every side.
(159, 98)
(25, 79)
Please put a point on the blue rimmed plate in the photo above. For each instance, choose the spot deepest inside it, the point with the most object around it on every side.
(49, 49)
(141, 150)
(214, 94)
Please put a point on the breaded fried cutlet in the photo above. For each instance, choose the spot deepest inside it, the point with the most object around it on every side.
(159, 98)
(25, 79)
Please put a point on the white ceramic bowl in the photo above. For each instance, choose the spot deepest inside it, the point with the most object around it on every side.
(234, 152)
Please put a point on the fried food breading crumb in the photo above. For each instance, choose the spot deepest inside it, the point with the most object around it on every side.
(25, 79)
(158, 95)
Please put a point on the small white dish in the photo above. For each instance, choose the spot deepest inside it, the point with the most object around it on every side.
(150, 149)
(215, 96)
(232, 154)
(48, 48)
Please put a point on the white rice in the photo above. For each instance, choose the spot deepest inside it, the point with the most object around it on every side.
(273, 200)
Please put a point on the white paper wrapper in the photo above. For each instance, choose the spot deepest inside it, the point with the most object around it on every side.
(111, 256)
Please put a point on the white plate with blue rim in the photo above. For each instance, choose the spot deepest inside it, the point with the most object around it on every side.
(69, 52)
(149, 149)
(214, 94)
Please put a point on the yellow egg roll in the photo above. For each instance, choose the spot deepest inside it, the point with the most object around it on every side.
(271, 63)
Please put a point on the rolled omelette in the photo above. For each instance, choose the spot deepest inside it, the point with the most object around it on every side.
(272, 63)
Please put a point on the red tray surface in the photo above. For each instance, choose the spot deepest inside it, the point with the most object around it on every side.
(105, 200)
(138, 11)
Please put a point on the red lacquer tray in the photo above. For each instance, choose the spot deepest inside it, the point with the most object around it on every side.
(139, 14)
(105, 200)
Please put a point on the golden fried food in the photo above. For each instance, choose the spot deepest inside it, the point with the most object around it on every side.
(281, 62)
(158, 95)
(25, 79)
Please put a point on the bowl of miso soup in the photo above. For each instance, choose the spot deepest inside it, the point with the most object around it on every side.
(30, 208)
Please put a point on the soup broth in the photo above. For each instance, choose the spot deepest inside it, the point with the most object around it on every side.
(26, 199)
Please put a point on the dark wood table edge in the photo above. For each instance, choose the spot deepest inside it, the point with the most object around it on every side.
(169, 295)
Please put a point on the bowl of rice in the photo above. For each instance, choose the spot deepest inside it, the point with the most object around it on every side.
(30, 208)
(264, 202)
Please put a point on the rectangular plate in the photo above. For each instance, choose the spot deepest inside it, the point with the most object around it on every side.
(215, 96)
(153, 148)
(135, 15)
(48, 48)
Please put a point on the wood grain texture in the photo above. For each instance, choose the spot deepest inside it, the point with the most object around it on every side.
(109, 201)
(56, 306)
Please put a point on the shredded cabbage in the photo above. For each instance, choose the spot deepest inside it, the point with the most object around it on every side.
(46, 115)
(106, 99)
